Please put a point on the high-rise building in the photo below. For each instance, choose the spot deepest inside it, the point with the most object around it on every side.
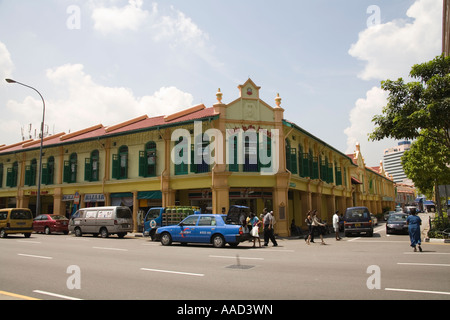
(392, 161)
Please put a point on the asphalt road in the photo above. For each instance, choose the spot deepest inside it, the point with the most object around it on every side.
(59, 267)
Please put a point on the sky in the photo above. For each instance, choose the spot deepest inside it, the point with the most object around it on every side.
(108, 61)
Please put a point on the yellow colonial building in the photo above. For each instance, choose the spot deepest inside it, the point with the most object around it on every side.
(243, 152)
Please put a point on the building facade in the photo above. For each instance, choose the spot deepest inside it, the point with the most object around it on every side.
(392, 161)
(260, 160)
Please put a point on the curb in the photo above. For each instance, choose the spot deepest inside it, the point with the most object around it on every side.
(435, 240)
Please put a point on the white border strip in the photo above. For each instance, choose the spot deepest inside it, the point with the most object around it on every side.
(56, 295)
(174, 272)
(33, 256)
(418, 291)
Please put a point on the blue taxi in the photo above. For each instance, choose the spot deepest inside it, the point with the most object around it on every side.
(203, 228)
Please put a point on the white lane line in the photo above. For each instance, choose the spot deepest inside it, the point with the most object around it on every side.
(106, 248)
(422, 253)
(424, 264)
(234, 257)
(56, 295)
(417, 291)
(271, 250)
(354, 239)
(34, 256)
(28, 241)
(174, 272)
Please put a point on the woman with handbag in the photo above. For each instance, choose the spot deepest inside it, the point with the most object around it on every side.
(255, 223)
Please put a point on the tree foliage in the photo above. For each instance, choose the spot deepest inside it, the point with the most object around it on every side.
(418, 105)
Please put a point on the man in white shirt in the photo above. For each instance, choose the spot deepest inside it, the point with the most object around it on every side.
(269, 221)
(336, 225)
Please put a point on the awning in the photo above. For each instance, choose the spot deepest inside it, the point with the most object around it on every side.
(149, 195)
(356, 181)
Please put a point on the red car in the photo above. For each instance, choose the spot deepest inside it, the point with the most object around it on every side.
(48, 223)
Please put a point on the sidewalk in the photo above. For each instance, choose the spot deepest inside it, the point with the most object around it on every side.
(426, 226)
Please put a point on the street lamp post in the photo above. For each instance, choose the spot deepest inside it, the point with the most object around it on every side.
(38, 196)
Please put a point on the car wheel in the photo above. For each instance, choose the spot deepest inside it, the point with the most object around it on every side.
(47, 230)
(3, 233)
(166, 239)
(78, 232)
(218, 241)
(104, 233)
(27, 235)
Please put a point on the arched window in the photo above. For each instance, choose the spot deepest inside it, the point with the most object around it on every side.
(120, 163)
(147, 160)
(48, 171)
(30, 173)
(91, 167)
(70, 169)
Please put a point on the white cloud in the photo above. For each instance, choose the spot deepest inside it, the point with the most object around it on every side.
(111, 19)
(390, 49)
(6, 64)
(361, 124)
(87, 103)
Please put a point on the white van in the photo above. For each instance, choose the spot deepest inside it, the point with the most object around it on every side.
(103, 221)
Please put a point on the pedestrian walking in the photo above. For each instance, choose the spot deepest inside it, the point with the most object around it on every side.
(316, 224)
(413, 222)
(308, 222)
(269, 221)
(336, 225)
(255, 223)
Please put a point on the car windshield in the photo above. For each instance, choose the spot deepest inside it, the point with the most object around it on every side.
(397, 217)
(152, 214)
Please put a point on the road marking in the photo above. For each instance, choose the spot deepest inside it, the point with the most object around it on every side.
(231, 257)
(354, 239)
(28, 241)
(417, 291)
(33, 256)
(424, 264)
(174, 272)
(106, 248)
(56, 295)
(271, 250)
(422, 253)
(15, 295)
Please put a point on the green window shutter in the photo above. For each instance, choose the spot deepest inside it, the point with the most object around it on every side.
(28, 175)
(9, 177)
(45, 174)
(116, 167)
(330, 173)
(66, 177)
(288, 157)
(305, 166)
(338, 176)
(233, 163)
(315, 168)
(143, 167)
(87, 169)
(293, 161)
(193, 165)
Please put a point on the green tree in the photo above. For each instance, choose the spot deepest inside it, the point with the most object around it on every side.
(418, 105)
(426, 165)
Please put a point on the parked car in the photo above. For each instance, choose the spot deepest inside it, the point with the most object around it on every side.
(16, 220)
(410, 209)
(103, 221)
(165, 216)
(203, 228)
(48, 223)
(397, 223)
(357, 220)
(387, 213)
